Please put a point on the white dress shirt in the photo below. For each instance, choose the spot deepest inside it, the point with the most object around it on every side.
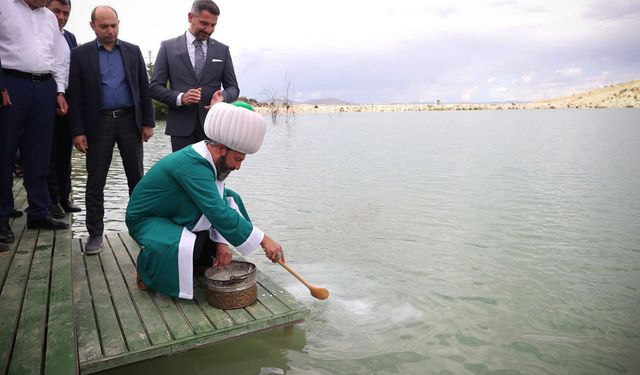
(67, 58)
(191, 49)
(31, 42)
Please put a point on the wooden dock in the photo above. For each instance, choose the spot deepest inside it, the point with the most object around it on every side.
(36, 312)
(62, 312)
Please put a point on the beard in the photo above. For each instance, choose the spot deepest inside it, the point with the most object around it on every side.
(222, 168)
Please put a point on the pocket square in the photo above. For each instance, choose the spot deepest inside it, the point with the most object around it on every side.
(216, 60)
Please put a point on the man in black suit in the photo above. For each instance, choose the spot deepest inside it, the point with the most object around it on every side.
(110, 104)
(59, 180)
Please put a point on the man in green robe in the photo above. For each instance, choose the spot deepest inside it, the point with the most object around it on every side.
(181, 213)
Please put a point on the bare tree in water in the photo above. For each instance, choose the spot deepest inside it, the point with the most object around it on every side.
(287, 99)
(281, 105)
(272, 103)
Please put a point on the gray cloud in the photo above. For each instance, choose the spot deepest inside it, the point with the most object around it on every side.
(613, 10)
(478, 67)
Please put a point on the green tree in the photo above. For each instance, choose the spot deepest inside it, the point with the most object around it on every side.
(160, 109)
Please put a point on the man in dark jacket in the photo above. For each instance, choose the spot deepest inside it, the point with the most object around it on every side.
(110, 104)
(60, 160)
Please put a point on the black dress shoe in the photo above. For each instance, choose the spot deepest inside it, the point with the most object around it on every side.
(15, 213)
(70, 207)
(46, 223)
(6, 234)
(56, 211)
(3, 247)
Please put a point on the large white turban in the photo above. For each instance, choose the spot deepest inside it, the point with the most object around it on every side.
(236, 127)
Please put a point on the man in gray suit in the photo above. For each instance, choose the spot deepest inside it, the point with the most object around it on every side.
(196, 68)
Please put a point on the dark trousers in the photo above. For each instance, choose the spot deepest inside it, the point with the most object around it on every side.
(109, 132)
(204, 250)
(178, 143)
(27, 124)
(60, 161)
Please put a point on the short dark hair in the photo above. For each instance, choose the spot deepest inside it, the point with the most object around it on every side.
(93, 12)
(208, 5)
(63, 2)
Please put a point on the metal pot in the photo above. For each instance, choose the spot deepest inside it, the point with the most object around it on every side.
(232, 287)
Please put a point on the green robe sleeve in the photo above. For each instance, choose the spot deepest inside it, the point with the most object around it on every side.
(198, 181)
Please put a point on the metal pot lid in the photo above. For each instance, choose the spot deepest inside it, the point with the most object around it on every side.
(236, 270)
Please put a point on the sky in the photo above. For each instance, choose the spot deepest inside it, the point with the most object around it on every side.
(403, 51)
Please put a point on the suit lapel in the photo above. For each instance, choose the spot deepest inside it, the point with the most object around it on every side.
(71, 40)
(183, 53)
(94, 63)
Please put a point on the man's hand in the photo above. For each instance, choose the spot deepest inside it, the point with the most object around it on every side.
(6, 99)
(191, 97)
(216, 98)
(80, 141)
(61, 105)
(147, 133)
(272, 250)
(223, 256)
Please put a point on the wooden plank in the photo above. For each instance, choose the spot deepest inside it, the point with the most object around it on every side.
(11, 297)
(152, 321)
(30, 338)
(173, 317)
(280, 293)
(6, 258)
(272, 310)
(18, 226)
(270, 302)
(131, 245)
(197, 320)
(195, 342)
(240, 316)
(61, 355)
(87, 331)
(134, 333)
(219, 318)
(108, 326)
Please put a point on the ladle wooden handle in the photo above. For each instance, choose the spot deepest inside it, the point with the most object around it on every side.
(316, 292)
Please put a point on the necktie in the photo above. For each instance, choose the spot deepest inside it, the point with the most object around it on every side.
(199, 58)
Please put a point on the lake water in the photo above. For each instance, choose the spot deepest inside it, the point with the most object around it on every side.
(482, 242)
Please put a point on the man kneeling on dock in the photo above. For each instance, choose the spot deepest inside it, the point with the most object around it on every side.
(182, 215)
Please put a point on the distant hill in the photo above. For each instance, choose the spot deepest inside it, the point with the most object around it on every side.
(621, 95)
(326, 101)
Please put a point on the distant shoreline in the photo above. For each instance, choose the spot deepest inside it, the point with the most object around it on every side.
(339, 108)
(623, 95)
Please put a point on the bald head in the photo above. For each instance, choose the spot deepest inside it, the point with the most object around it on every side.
(101, 8)
(105, 23)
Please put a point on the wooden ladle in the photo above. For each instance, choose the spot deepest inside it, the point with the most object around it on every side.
(316, 292)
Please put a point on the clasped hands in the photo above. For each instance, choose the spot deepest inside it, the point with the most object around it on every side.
(193, 96)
